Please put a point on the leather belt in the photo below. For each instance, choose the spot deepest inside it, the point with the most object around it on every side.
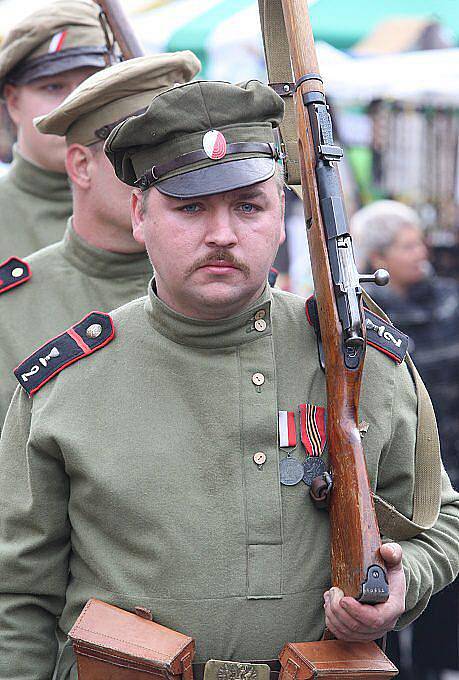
(274, 665)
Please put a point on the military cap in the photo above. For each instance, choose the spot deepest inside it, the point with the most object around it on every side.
(199, 139)
(59, 37)
(106, 98)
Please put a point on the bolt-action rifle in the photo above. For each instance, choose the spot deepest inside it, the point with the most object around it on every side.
(121, 28)
(357, 567)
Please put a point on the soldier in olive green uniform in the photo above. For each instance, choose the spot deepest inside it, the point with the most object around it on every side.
(42, 59)
(147, 474)
(98, 264)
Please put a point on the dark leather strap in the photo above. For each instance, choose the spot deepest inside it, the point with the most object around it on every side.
(274, 664)
(104, 131)
(157, 171)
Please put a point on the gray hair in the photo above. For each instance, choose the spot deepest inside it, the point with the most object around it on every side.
(375, 227)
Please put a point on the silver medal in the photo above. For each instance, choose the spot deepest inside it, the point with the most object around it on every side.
(291, 471)
(313, 467)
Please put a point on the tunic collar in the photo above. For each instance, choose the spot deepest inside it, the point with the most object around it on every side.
(100, 263)
(52, 186)
(251, 324)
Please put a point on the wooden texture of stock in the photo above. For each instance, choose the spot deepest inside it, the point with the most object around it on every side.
(121, 28)
(355, 539)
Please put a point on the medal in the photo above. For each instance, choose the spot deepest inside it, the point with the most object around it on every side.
(291, 471)
(313, 467)
(313, 426)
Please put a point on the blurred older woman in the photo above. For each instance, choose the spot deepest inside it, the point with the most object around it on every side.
(388, 234)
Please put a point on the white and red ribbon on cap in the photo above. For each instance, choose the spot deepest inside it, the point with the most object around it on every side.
(214, 144)
(287, 429)
(57, 41)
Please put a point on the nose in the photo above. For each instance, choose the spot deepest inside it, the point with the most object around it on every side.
(221, 229)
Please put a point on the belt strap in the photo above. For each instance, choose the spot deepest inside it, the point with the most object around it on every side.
(274, 665)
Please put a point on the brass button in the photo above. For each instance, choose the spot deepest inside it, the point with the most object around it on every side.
(259, 458)
(17, 272)
(260, 314)
(94, 331)
(258, 378)
(260, 325)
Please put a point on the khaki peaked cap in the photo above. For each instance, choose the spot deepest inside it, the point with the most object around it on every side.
(200, 138)
(108, 97)
(61, 36)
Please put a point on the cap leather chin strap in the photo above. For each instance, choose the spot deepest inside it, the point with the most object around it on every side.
(157, 172)
(427, 484)
(280, 78)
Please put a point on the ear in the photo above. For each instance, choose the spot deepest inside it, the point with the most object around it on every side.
(282, 218)
(138, 215)
(11, 94)
(78, 163)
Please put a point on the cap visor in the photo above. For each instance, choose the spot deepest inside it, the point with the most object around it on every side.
(215, 179)
(53, 68)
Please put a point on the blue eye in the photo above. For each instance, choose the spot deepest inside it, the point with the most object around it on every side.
(247, 207)
(190, 208)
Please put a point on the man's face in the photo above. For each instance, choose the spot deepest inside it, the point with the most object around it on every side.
(211, 254)
(26, 102)
(406, 258)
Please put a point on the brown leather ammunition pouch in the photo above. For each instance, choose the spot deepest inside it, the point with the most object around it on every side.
(111, 643)
(334, 660)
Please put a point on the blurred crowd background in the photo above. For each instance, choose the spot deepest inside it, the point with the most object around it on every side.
(391, 72)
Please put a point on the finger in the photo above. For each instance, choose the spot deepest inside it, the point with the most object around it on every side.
(342, 633)
(392, 554)
(367, 615)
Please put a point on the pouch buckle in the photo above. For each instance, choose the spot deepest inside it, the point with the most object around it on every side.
(235, 670)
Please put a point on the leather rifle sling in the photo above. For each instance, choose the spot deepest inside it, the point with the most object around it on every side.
(277, 57)
(427, 486)
(427, 483)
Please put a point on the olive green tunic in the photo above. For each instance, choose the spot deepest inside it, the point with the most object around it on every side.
(69, 279)
(34, 207)
(130, 477)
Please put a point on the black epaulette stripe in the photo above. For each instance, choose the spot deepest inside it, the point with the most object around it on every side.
(386, 341)
(8, 279)
(63, 350)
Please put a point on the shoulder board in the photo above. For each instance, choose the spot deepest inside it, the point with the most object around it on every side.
(272, 277)
(90, 334)
(380, 334)
(13, 272)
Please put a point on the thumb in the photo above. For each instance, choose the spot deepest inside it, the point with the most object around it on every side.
(391, 554)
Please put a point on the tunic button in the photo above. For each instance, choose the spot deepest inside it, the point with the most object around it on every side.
(260, 314)
(17, 272)
(259, 458)
(258, 378)
(94, 331)
(260, 325)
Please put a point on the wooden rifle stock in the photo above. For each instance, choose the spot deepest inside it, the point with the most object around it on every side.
(357, 567)
(121, 28)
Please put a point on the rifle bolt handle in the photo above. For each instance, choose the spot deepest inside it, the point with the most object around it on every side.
(381, 277)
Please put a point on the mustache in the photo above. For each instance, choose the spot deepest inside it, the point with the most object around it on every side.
(220, 255)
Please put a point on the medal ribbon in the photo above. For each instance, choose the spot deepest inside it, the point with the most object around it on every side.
(313, 428)
(287, 429)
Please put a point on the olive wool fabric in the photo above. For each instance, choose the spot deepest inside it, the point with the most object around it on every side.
(130, 477)
(69, 279)
(177, 120)
(35, 205)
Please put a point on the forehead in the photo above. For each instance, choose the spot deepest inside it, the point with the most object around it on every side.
(262, 190)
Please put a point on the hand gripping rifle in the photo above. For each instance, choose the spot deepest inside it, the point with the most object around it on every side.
(115, 16)
(357, 567)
